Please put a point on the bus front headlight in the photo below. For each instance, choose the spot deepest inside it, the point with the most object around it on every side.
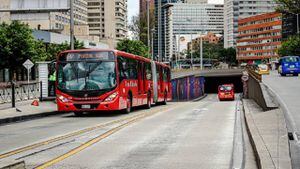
(63, 99)
(111, 97)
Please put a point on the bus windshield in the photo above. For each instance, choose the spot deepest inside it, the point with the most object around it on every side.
(291, 59)
(86, 73)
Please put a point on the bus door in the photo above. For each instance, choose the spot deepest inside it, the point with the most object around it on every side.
(141, 77)
(155, 81)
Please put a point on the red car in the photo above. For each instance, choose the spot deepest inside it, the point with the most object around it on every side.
(226, 92)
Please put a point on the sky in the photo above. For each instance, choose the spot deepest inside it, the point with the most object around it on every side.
(133, 7)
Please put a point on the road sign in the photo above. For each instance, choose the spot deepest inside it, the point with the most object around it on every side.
(245, 78)
(28, 64)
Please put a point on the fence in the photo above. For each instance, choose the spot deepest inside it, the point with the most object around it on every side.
(11, 92)
(187, 88)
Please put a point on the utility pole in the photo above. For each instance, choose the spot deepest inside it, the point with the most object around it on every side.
(72, 24)
(148, 23)
(178, 55)
(192, 51)
(298, 31)
(201, 53)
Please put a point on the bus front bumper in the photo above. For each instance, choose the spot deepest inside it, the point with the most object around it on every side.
(88, 106)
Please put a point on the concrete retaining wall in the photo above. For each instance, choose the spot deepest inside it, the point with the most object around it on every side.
(255, 92)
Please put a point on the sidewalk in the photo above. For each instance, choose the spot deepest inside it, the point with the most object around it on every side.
(25, 111)
(268, 136)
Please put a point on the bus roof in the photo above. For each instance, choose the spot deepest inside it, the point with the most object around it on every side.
(117, 53)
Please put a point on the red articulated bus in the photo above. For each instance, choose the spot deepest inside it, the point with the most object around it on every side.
(108, 80)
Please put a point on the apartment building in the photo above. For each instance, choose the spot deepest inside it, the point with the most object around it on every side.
(259, 37)
(107, 19)
(52, 21)
(237, 9)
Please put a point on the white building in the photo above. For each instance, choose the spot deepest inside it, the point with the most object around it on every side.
(46, 20)
(237, 9)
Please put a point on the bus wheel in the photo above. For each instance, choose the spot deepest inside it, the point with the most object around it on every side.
(78, 114)
(296, 74)
(129, 105)
(165, 98)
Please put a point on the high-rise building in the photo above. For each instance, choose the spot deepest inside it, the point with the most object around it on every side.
(53, 21)
(107, 19)
(237, 9)
(181, 19)
(259, 37)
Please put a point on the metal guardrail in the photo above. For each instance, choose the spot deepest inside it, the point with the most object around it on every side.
(14, 92)
(253, 73)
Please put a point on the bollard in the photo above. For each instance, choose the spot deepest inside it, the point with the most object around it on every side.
(13, 97)
(41, 91)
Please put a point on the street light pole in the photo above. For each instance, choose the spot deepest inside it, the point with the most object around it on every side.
(148, 24)
(298, 31)
(192, 51)
(72, 24)
(201, 53)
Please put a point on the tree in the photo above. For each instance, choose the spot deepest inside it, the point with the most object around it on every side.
(228, 55)
(289, 6)
(139, 26)
(291, 47)
(17, 44)
(54, 49)
(135, 47)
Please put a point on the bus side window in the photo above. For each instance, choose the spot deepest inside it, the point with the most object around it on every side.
(122, 69)
(158, 72)
(148, 71)
(165, 74)
(132, 68)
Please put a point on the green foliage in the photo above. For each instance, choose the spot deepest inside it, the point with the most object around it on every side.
(133, 46)
(290, 6)
(291, 47)
(139, 26)
(228, 55)
(215, 51)
(54, 49)
(16, 44)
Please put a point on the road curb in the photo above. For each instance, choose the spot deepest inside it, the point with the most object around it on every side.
(16, 165)
(263, 160)
(200, 98)
(291, 127)
(22, 118)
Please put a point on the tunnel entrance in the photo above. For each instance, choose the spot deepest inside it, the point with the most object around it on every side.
(212, 83)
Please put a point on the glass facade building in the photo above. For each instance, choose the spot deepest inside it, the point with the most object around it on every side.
(185, 19)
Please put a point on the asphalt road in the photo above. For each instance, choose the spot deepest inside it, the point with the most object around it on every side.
(288, 88)
(179, 135)
(288, 91)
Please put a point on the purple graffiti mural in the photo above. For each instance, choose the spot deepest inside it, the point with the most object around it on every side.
(187, 88)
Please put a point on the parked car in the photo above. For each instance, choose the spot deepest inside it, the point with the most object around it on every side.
(289, 65)
(226, 92)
